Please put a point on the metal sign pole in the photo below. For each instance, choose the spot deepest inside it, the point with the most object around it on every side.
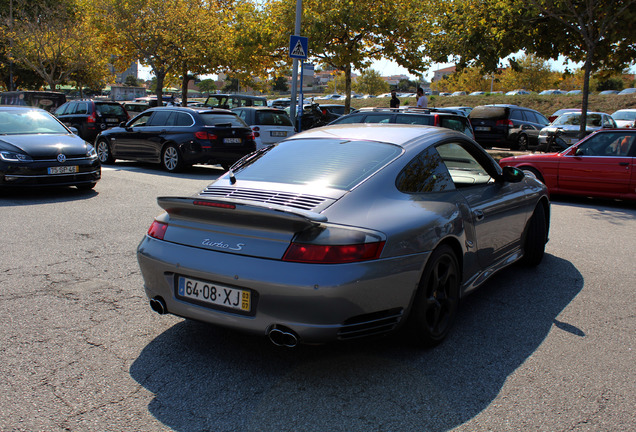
(300, 100)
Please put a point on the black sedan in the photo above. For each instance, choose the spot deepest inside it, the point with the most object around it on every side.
(176, 137)
(36, 149)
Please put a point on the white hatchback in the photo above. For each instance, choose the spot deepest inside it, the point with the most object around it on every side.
(270, 125)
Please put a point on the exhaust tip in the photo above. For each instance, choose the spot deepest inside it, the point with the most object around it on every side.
(158, 305)
(282, 336)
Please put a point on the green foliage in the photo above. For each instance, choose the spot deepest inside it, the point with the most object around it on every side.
(279, 84)
(207, 86)
(131, 81)
(610, 84)
(370, 82)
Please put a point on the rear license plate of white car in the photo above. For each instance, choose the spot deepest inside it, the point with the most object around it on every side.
(232, 140)
(72, 169)
(482, 128)
(213, 294)
(278, 133)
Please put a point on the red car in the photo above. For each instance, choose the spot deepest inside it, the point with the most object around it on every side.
(601, 165)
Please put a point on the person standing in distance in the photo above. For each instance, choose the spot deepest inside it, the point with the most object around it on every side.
(395, 102)
(422, 100)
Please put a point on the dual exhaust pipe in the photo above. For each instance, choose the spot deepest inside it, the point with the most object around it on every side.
(278, 335)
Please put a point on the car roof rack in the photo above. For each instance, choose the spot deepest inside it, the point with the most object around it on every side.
(440, 110)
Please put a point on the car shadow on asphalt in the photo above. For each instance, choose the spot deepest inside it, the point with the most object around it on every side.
(208, 378)
(43, 195)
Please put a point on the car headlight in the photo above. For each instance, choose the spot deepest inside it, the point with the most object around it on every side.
(90, 151)
(9, 156)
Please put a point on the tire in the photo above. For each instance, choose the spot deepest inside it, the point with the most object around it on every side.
(522, 142)
(535, 237)
(436, 302)
(104, 154)
(171, 159)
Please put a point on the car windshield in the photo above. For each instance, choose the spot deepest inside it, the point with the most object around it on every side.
(574, 119)
(216, 119)
(29, 122)
(624, 115)
(110, 109)
(272, 118)
(319, 162)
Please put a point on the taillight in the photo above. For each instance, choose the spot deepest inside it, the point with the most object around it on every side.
(504, 122)
(250, 136)
(333, 254)
(255, 131)
(157, 230)
(436, 121)
(91, 118)
(203, 135)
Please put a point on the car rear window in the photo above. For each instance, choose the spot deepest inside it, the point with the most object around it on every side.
(110, 109)
(272, 118)
(215, 119)
(488, 112)
(414, 119)
(328, 163)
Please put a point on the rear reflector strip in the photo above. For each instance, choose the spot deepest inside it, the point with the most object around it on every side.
(214, 204)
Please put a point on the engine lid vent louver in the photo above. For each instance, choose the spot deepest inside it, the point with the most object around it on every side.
(300, 201)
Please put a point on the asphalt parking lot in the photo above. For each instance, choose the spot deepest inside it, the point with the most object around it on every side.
(546, 349)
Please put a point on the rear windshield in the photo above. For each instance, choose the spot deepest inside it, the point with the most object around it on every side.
(488, 112)
(574, 119)
(326, 163)
(272, 118)
(110, 109)
(216, 119)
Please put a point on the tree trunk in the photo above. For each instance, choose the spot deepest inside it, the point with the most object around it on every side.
(586, 91)
(347, 89)
(184, 85)
(161, 75)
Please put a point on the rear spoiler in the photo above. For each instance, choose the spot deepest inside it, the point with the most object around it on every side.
(240, 213)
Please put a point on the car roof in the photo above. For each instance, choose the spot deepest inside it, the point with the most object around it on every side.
(192, 110)
(260, 108)
(398, 134)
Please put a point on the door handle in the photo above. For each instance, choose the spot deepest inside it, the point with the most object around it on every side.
(479, 215)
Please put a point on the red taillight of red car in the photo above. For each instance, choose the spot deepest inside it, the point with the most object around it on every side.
(203, 135)
(504, 122)
(255, 131)
(333, 254)
(157, 230)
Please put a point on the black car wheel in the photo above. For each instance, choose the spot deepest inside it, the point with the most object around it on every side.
(522, 142)
(437, 299)
(104, 154)
(535, 238)
(171, 158)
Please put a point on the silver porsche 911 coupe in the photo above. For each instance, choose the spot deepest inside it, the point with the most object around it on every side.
(342, 232)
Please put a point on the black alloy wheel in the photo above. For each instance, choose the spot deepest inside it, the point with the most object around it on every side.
(437, 300)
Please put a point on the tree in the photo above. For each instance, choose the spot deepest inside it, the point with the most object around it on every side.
(370, 82)
(279, 84)
(207, 86)
(49, 38)
(348, 35)
(131, 81)
(531, 73)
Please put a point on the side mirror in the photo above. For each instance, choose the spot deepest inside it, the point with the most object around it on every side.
(122, 124)
(579, 152)
(512, 174)
(74, 130)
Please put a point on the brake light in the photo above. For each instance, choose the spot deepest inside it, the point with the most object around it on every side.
(436, 121)
(91, 118)
(157, 230)
(203, 135)
(504, 122)
(255, 131)
(250, 136)
(333, 254)
(214, 204)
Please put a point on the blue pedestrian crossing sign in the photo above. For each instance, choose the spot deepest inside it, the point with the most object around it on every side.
(298, 46)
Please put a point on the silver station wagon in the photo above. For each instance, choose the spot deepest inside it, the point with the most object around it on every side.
(342, 232)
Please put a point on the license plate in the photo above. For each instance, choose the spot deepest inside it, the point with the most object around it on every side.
(278, 133)
(63, 169)
(232, 140)
(112, 120)
(482, 128)
(214, 294)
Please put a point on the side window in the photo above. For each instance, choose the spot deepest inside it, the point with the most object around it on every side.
(530, 117)
(464, 169)
(60, 110)
(142, 119)
(414, 119)
(452, 123)
(160, 118)
(81, 108)
(425, 173)
(542, 120)
(608, 122)
(607, 144)
(350, 119)
(378, 118)
(516, 115)
(242, 114)
(179, 119)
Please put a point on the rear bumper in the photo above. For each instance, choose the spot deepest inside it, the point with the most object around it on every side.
(320, 303)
